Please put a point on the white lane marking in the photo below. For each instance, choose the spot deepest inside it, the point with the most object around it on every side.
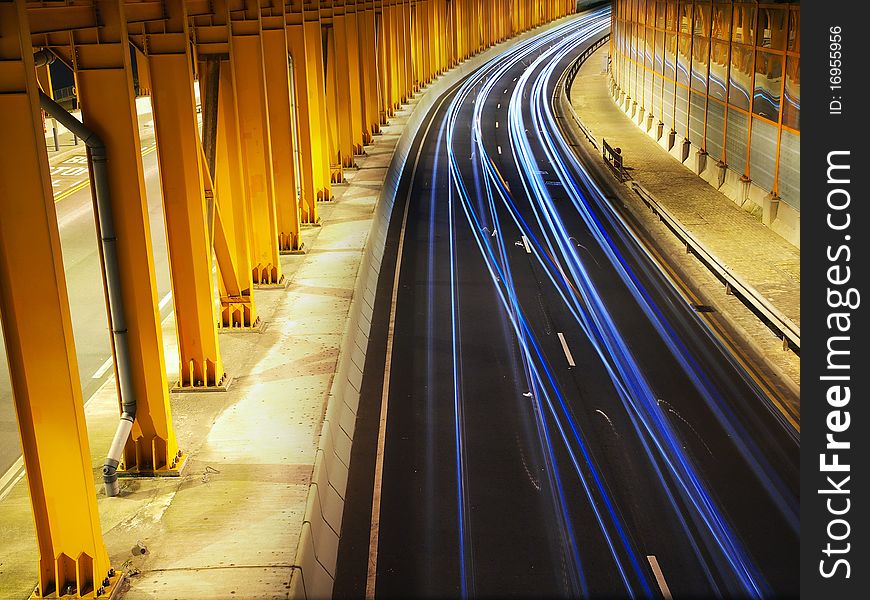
(660, 577)
(103, 368)
(505, 91)
(496, 124)
(499, 149)
(527, 247)
(374, 531)
(164, 300)
(109, 361)
(566, 350)
(515, 78)
(12, 476)
(499, 105)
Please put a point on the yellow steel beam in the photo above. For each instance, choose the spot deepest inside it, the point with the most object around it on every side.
(232, 228)
(354, 68)
(316, 90)
(344, 98)
(179, 156)
(275, 57)
(333, 114)
(308, 121)
(368, 53)
(246, 56)
(43, 79)
(39, 340)
(105, 90)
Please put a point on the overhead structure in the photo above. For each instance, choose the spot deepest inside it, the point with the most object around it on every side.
(289, 93)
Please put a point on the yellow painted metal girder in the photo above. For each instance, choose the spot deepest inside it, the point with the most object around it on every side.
(368, 53)
(180, 158)
(246, 56)
(334, 116)
(354, 70)
(232, 224)
(37, 328)
(343, 95)
(105, 90)
(276, 63)
(308, 123)
(316, 90)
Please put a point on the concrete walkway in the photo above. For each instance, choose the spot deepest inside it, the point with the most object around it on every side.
(759, 256)
(229, 526)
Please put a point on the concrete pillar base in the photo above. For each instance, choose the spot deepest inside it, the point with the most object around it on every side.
(700, 161)
(769, 208)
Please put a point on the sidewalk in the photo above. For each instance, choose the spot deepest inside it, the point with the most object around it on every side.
(229, 526)
(759, 256)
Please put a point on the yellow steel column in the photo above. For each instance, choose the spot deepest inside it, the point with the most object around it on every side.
(179, 157)
(43, 78)
(354, 68)
(424, 32)
(387, 37)
(333, 119)
(368, 52)
(316, 90)
(307, 119)
(338, 118)
(37, 329)
(277, 74)
(246, 54)
(404, 47)
(395, 49)
(343, 98)
(105, 90)
(383, 39)
(238, 306)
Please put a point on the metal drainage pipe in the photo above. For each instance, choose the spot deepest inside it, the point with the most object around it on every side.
(117, 317)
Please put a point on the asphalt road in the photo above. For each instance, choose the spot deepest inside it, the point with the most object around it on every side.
(560, 422)
(75, 216)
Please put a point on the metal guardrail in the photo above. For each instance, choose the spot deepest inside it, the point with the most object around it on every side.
(578, 62)
(568, 82)
(613, 157)
(784, 327)
(788, 331)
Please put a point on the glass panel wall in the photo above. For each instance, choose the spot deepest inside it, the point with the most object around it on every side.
(724, 74)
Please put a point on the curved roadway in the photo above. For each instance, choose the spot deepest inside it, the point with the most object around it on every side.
(560, 422)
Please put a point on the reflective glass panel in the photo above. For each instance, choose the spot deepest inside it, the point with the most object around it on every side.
(719, 70)
(791, 102)
(768, 84)
(721, 20)
(683, 60)
(762, 153)
(685, 18)
(702, 18)
(772, 24)
(794, 31)
(741, 76)
(700, 63)
(743, 31)
(670, 55)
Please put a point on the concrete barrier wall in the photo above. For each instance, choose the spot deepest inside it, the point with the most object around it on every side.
(317, 551)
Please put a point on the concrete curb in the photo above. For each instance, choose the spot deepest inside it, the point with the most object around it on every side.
(317, 551)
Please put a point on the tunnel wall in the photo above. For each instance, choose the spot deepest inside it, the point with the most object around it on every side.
(717, 84)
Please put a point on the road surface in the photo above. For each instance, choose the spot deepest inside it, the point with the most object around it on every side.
(560, 423)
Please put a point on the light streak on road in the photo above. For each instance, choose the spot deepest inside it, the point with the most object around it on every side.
(529, 235)
(557, 254)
